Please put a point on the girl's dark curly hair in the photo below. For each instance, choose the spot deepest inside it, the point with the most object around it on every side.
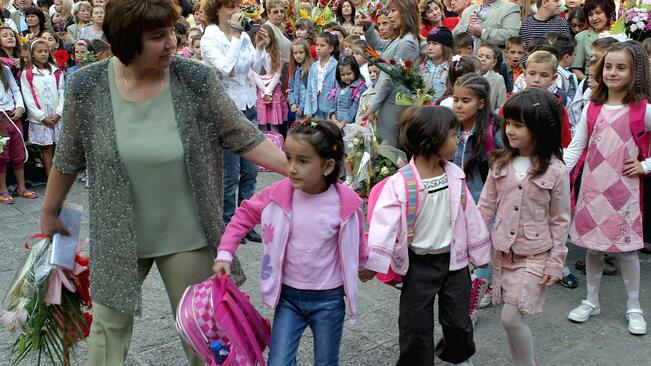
(327, 140)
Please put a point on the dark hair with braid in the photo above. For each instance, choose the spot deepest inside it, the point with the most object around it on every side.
(326, 139)
(639, 86)
(480, 88)
(542, 114)
(464, 65)
(422, 130)
(333, 41)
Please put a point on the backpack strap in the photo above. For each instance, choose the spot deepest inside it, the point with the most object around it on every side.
(489, 143)
(411, 190)
(246, 327)
(332, 94)
(29, 75)
(638, 129)
(356, 94)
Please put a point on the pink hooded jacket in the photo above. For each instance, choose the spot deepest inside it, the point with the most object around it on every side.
(388, 231)
(272, 207)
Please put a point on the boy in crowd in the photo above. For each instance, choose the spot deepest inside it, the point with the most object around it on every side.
(512, 68)
(543, 22)
(463, 44)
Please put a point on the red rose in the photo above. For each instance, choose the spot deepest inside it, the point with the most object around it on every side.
(392, 62)
(408, 63)
(61, 57)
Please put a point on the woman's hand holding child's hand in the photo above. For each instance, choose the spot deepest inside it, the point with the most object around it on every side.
(267, 99)
(220, 266)
(632, 167)
(365, 274)
(549, 280)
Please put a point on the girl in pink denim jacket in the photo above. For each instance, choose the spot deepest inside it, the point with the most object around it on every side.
(448, 231)
(312, 231)
(528, 194)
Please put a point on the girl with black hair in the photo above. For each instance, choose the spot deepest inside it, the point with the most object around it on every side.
(312, 229)
(35, 20)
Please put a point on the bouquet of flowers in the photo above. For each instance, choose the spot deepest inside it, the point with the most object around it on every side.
(3, 141)
(404, 73)
(251, 9)
(372, 161)
(634, 20)
(319, 17)
(47, 305)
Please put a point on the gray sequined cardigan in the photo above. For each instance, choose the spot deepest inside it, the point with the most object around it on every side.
(208, 121)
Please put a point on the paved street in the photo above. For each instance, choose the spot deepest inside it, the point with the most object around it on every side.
(373, 339)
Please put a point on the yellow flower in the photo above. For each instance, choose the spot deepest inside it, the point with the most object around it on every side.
(302, 14)
(24, 40)
(319, 21)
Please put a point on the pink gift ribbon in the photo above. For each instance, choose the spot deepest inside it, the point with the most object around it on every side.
(58, 279)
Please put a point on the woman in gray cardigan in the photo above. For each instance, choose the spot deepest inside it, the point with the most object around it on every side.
(150, 129)
(404, 18)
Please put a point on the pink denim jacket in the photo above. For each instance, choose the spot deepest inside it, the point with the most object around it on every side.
(272, 207)
(532, 215)
(388, 230)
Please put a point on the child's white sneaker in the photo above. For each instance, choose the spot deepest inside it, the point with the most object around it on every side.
(636, 322)
(487, 299)
(583, 312)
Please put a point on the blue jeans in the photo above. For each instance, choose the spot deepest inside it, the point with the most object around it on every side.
(322, 310)
(239, 177)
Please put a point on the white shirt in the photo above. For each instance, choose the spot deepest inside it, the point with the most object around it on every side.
(12, 98)
(49, 94)
(521, 166)
(433, 228)
(573, 152)
(320, 76)
(232, 60)
(367, 77)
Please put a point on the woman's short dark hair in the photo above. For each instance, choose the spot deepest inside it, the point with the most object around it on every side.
(126, 21)
(32, 10)
(608, 6)
(423, 130)
(211, 9)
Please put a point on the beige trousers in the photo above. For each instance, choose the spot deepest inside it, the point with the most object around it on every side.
(110, 333)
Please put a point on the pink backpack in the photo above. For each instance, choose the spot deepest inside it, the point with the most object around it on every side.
(411, 188)
(276, 139)
(216, 310)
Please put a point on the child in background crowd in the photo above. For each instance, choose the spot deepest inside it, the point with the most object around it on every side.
(350, 86)
(313, 232)
(490, 56)
(360, 46)
(322, 78)
(367, 95)
(612, 139)
(515, 52)
(305, 31)
(566, 78)
(463, 44)
(459, 66)
(11, 125)
(195, 47)
(300, 63)
(578, 22)
(528, 195)
(448, 232)
(80, 49)
(42, 89)
(271, 103)
(434, 69)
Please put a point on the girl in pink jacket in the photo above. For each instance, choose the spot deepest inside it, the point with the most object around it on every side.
(312, 231)
(528, 194)
(433, 259)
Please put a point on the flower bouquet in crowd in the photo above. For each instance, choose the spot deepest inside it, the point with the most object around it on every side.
(47, 304)
(61, 57)
(404, 73)
(320, 17)
(252, 10)
(634, 21)
(372, 161)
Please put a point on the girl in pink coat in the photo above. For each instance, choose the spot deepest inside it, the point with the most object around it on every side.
(312, 231)
(433, 258)
(527, 193)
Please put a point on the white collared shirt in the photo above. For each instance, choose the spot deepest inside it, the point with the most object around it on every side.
(232, 60)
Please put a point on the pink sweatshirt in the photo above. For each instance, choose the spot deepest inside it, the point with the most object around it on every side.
(272, 207)
(388, 231)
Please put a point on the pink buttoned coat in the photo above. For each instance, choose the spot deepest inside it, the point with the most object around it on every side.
(532, 219)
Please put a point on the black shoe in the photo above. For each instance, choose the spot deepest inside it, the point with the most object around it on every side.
(253, 236)
(580, 265)
(570, 281)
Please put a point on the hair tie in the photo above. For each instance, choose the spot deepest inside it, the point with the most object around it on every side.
(82, 42)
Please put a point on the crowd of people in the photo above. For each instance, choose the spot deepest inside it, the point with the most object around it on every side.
(537, 129)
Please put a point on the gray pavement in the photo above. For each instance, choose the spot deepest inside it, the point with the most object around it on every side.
(373, 339)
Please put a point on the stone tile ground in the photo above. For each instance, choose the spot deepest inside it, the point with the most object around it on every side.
(373, 339)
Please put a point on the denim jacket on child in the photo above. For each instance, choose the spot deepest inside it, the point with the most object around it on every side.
(347, 100)
(316, 101)
(297, 89)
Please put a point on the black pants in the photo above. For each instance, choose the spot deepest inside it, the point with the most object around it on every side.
(428, 276)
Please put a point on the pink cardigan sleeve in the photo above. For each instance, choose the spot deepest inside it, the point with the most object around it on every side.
(245, 218)
(559, 224)
(385, 226)
(363, 245)
(479, 241)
